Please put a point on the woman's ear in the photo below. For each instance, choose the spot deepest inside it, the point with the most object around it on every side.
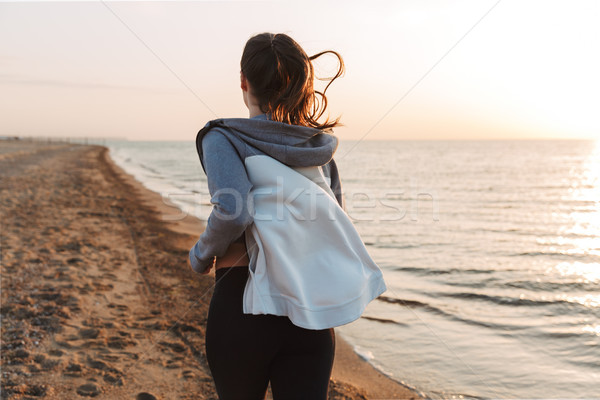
(244, 85)
(244, 82)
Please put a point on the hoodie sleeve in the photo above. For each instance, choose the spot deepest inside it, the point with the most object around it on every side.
(229, 188)
(336, 184)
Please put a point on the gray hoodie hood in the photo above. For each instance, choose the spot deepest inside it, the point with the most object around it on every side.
(293, 145)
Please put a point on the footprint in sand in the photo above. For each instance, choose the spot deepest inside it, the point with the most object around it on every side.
(89, 389)
(120, 310)
(188, 374)
(89, 333)
(174, 346)
(145, 396)
(113, 379)
(118, 342)
(73, 369)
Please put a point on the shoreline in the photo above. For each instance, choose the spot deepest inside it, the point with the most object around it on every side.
(97, 297)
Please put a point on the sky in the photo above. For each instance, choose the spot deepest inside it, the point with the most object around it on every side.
(415, 70)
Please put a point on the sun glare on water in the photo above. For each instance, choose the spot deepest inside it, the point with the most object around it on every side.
(585, 217)
(582, 233)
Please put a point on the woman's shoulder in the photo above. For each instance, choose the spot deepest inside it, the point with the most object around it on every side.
(215, 125)
(214, 139)
(215, 134)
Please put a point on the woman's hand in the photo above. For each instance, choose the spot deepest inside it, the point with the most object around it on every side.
(207, 270)
(198, 267)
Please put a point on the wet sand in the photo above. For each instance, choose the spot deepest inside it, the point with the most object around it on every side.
(98, 299)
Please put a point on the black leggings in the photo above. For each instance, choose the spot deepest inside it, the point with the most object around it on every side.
(246, 351)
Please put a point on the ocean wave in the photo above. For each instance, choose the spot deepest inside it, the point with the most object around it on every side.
(484, 283)
(534, 286)
(517, 301)
(502, 300)
(559, 335)
(518, 231)
(551, 286)
(384, 320)
(364, 353)
(594, 365)
(432, 271)
(451, 316)
(393, 246)
(559, 255)
(411, 304)
(153, 170)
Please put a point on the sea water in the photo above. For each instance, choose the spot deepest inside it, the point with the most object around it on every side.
(490, 251)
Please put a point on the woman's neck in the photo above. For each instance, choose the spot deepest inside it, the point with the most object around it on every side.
(254, 110)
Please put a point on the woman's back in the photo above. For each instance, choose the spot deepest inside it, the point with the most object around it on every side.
(265, 321)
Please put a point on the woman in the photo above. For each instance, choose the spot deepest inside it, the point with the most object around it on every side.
(248, 346)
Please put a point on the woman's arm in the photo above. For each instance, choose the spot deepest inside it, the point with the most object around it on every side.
(229, 188)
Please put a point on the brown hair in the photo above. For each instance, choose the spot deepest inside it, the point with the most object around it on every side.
(281, 77)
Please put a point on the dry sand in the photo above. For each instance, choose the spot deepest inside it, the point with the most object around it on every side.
(97, 297)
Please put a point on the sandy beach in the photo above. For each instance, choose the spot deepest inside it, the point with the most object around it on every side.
(98, 299)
